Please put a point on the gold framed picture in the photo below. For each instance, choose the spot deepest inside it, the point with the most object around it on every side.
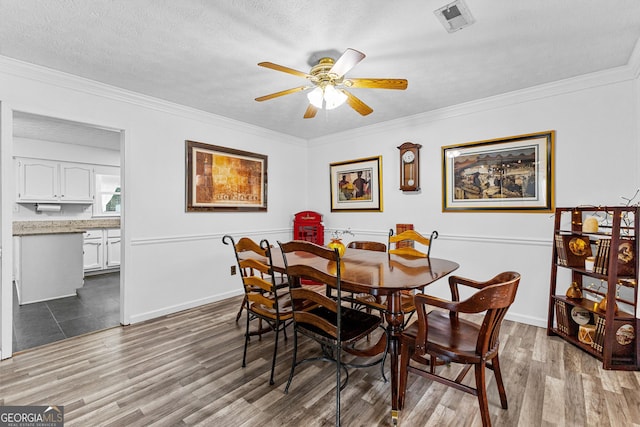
(356, 185)
(224, 179)
(506, 174)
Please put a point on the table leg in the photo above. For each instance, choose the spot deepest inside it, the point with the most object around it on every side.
(395, 320)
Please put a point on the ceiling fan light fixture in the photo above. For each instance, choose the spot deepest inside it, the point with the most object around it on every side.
(315, 97)
(327, 84)
(333, 98)
(328, 97)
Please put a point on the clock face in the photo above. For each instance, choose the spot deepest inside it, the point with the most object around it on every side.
(408, 156)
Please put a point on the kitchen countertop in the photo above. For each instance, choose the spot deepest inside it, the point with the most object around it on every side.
(30, 228)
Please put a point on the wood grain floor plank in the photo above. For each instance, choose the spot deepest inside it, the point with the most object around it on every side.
(553, 406)
(575, 413)
(185, 369)
(595, 403)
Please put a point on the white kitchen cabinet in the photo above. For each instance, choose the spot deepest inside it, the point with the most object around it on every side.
(112, 247)
(101, 250)
(93, 250)
(53, 182)
(76, 182)
(37, 180)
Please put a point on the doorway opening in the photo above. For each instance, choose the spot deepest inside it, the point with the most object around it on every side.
(96, 303)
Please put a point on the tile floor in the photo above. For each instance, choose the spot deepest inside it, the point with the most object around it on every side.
(96, 306)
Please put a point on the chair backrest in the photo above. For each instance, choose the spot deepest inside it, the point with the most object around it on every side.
(494, 297)
(367, 245)
(297, 250)
(413, 237)
(254, 264)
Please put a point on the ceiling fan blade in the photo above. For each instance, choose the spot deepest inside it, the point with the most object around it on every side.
(349, 59)
(311, 112)
(283, 69)
(400, 84)
(282, 93)
(357, 104)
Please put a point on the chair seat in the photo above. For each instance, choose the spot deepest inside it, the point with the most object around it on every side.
(355, 324)
(456, 339)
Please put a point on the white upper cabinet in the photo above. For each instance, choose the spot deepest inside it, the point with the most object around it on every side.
(76, 182)
(37, 180)
(50, 181)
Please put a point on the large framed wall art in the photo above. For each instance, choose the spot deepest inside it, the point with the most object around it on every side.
(224, 179)
(356, 185)
(506, 174)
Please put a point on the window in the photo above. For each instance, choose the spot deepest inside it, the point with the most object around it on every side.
(107, 195)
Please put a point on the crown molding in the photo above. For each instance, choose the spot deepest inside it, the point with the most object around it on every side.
(634, 60)
(624, 73)
(26, 70)
(69, 81)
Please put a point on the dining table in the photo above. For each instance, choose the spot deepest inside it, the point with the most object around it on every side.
(379, 274)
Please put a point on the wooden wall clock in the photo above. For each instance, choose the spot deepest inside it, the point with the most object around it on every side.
(410, 166)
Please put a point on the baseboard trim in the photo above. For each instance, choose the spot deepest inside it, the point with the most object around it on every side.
(181, 307)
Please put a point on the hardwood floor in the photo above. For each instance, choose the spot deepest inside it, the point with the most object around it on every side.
(185, 369)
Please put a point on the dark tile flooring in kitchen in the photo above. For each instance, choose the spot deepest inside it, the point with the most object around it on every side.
(96, 306)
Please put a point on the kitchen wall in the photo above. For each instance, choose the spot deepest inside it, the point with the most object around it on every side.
(174, 260)
(105, 162)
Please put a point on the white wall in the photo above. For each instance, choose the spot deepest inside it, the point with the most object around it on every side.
(596, 162)
(172, 259)
(175, 260)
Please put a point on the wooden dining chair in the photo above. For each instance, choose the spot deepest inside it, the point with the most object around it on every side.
(266, 296)
(405, 243)
(443, 337)
(410, 244)
(335, 327)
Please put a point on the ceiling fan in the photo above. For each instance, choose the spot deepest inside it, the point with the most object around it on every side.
(330, 86)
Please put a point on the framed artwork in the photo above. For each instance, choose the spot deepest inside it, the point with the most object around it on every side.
(356, 185)
(507, 174)
(224, 179)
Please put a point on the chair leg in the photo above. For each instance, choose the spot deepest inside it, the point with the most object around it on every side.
(495, 363)
(244, 301)
(384, 355)
(482, 394)
(338, 381)
(293, 360)
(246, 342)
(275, 351)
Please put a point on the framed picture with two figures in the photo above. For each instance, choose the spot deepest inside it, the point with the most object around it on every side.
(356, 185)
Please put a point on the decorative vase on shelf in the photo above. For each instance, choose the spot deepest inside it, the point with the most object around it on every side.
(602, 305)
(590, 225)
(574, 291)
(337, 243)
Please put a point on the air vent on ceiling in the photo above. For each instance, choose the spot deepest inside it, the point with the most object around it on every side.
(455, 16)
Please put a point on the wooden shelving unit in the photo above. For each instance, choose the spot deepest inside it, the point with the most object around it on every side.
(611, 335)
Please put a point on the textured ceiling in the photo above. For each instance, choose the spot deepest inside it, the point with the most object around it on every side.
(33, 126)
(203, 53)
